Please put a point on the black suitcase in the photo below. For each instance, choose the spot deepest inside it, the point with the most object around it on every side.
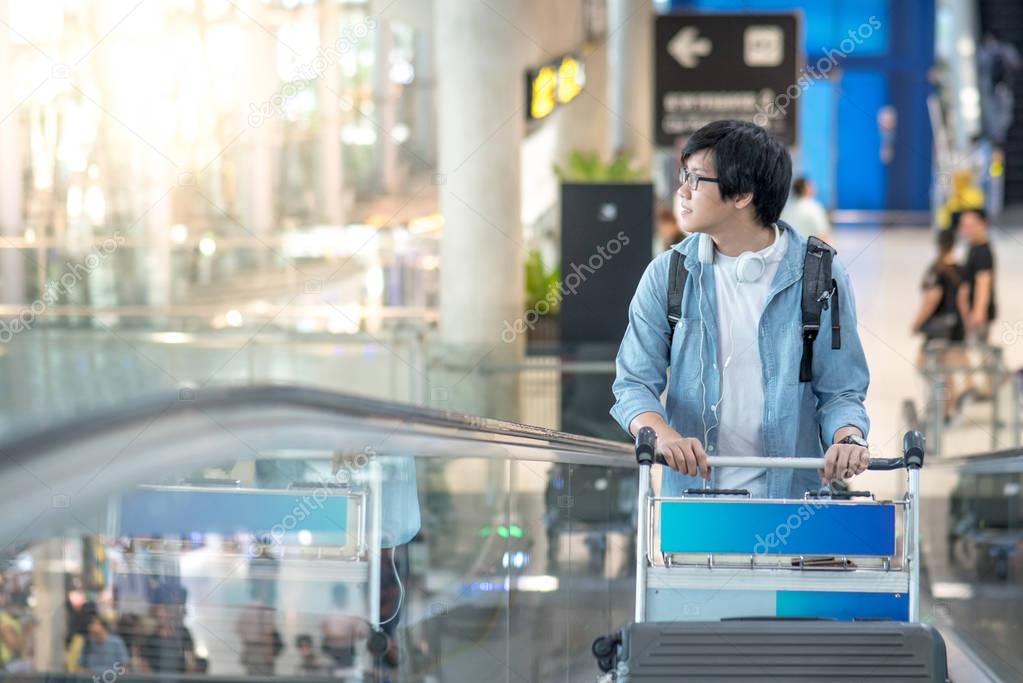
(774, 650)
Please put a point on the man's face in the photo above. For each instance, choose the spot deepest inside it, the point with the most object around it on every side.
(703, 209)
(972, 227)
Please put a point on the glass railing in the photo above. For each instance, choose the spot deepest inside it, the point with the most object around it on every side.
(972, 547)
(221, 267)
(61, 372)
(62, 369)
(261, 532)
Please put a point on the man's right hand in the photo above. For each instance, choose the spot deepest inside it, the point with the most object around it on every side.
(683, 454)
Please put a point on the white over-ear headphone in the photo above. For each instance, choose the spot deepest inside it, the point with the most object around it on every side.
(749, 267)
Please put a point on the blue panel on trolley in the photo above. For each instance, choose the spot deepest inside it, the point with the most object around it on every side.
(155, 512)
(844, 606)
(789, 528)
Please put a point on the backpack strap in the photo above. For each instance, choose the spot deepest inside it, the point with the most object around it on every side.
(819, 292)
(677, 275)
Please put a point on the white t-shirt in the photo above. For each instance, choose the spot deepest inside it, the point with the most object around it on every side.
(741, 408)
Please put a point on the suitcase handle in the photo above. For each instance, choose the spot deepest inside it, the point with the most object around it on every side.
(912, 449)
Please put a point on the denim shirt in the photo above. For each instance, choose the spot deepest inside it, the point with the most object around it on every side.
(799, 419)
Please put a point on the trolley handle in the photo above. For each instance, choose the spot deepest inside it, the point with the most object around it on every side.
(912, 458)
(646, 445)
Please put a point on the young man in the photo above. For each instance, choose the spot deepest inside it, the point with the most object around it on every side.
(734, 385)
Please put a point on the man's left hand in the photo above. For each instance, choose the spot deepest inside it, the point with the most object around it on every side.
(844, 460)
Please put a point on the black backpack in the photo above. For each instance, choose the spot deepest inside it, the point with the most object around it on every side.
(819, 291)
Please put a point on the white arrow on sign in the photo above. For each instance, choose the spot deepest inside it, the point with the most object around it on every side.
(687, 47)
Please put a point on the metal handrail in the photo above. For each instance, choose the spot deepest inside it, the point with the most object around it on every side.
(513, 440)
(201, 311)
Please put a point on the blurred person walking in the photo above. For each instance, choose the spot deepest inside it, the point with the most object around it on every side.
(997, 62)
(939, 318)
(804, 213)
(668, 232)
(169, 648)
(976, 297)
(978, 291)
(257, 625)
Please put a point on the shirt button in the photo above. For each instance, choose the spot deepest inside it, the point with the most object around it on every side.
(710, 449)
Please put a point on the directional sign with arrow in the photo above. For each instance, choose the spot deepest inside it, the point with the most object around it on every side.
(726, 66)
(687, 47)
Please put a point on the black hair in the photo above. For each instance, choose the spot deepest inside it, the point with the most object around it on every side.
(747, 159)
(977, 211)
(95, 616)
(799, 185)
(946, 240)
(304, 639)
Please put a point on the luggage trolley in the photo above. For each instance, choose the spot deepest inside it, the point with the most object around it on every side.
(762, 589)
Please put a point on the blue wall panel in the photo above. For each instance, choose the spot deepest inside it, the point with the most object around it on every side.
(861, 176)
(817, 124)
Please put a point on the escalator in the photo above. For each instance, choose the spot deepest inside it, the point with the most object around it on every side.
(273, 532)
(262, 533)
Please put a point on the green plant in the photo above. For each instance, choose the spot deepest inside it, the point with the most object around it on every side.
(588, 167)
(540, 282)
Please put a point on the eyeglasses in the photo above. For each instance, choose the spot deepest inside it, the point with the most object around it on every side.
(693, 180)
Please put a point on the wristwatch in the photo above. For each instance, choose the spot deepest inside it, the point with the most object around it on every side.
(855, 441)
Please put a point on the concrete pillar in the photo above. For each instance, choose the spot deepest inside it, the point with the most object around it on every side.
(424, 88)
(965, 103)
(256, 176)
(331, 173)
(481, 120)
(157, 255)
(385, 110)
(12, 264)
(630, 26)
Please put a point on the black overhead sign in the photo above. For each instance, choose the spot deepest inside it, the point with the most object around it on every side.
(726, 66)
